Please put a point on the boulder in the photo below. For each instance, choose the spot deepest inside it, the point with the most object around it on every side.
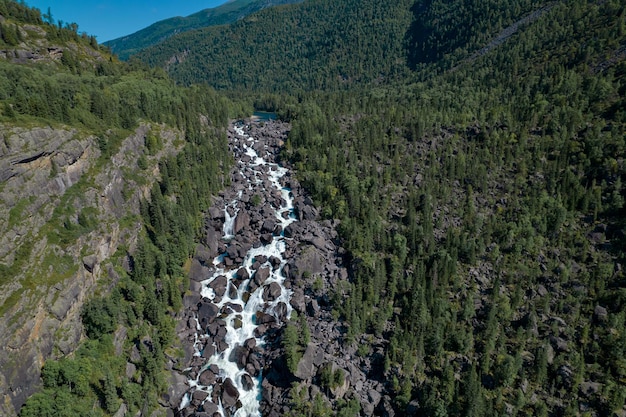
(281, 311)
(207, 312)
(89, 262)
(218, 285)
(600, 314)
(239, 355)
(268, 226)
(264, 318)
(243, 274)
(208, 351)
(247, 382)
(216, 214)
(197, 271)
(241, 221)
(293, 229)
(230, 395)
(207, 378)
(272, 292)
(297, 300)
(275, 261)
(306, 367)
(250, 343)
(204, 254)
(261, 275)
(198, 397)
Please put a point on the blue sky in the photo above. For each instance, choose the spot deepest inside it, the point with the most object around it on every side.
(110, 19)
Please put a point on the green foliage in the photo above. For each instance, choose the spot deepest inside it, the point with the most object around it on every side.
(255, 200)
(463, 197)
(331, 379)
(293, 354)
(312, 45)
(226, 13)
(295, 342)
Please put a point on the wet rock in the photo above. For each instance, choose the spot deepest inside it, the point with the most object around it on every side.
(272, 292)
(208, 351)
(268, 226)
(232, 290)
(207, 378)
(250, 343)
(232, 251)
(218, 285)
(266, 238)
(281, 312)
(264, 318)
(275, 262)
(232, 307)
(241, 221)
(230, 395)
(260, 330)
(247, 382)
(198, 397)
(242, 274)
(207, 312)
(239, 355)
(261, 275)
(294, 229)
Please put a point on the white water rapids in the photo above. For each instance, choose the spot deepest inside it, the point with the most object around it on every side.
(241, 325)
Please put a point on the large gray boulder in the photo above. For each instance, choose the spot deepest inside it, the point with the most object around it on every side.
(230, 395)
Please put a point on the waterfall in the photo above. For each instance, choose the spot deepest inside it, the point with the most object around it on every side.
(244, 299)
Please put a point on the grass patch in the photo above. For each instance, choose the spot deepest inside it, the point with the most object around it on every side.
(17, 211)
(22, 254)
(11, 301)
(54, 269)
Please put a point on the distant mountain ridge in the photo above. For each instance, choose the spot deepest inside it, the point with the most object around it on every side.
(228, 12)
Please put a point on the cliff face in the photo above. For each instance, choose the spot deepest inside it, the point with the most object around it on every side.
(67, 218)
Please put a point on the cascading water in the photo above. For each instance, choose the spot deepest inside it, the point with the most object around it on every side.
(240, 301)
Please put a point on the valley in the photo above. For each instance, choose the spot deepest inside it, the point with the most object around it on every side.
(426, 217)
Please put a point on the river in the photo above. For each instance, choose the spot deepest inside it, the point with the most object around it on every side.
(245, 292)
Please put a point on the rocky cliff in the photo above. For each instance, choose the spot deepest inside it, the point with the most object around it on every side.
(67, 218)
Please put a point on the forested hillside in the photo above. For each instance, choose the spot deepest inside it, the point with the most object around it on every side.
(318, 44)
(477, 173)
(483, 209)
(104, 170)
(229, 12)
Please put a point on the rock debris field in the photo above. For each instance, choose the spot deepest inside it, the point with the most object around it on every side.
(263, 247)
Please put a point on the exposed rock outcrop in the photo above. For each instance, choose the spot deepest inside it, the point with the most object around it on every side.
(49, 272)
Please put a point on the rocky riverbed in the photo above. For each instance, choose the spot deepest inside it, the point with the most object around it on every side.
(265, 253)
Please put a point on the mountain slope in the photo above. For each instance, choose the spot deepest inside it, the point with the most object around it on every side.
(317, 44)
(229, 12)
(483, 210)
(84, 142)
